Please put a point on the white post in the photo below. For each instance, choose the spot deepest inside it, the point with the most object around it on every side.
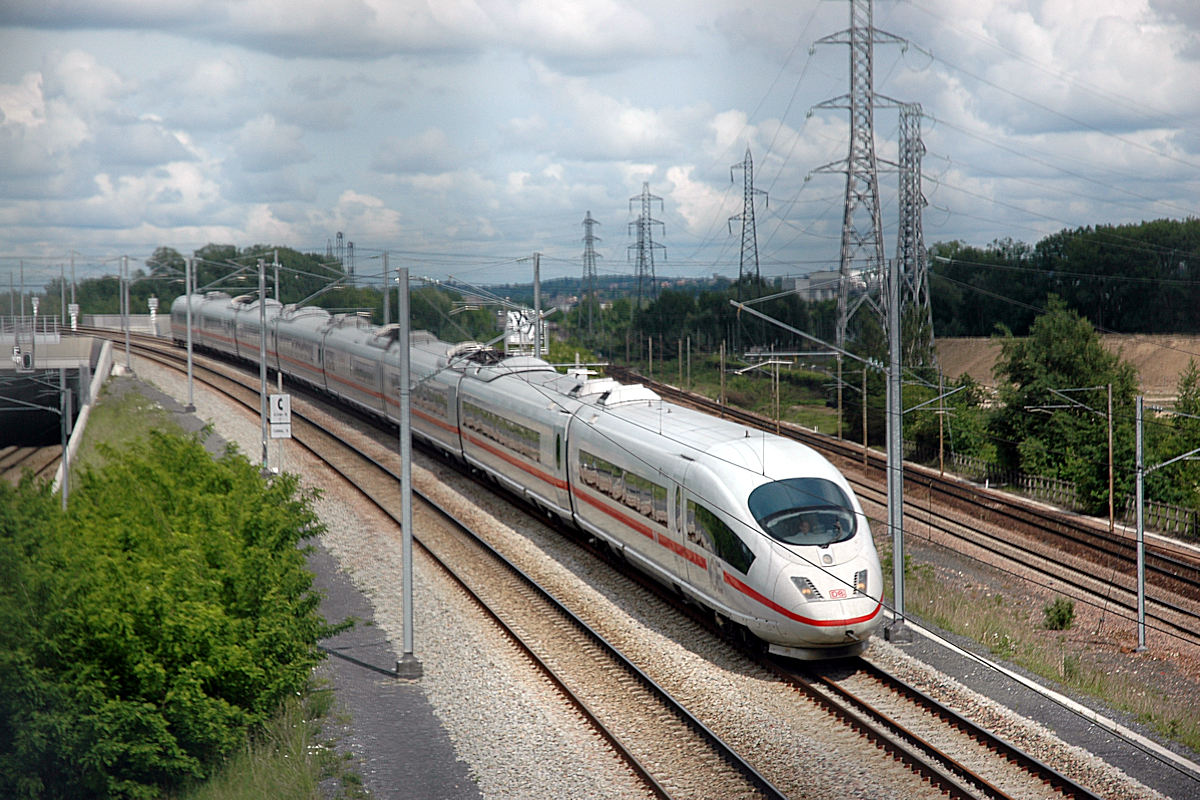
(1141, 533)
(74, 307)
(64, 412)
(408, 666)
(262, 357)
(387, 291)
(896, 631)
(537, 306)
(189, 278)
(125, 307)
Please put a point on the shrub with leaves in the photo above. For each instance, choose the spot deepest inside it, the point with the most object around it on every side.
(1060, 615)
(145, 630)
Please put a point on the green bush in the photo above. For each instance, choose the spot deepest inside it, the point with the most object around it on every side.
(148, 628)
(1060, 615)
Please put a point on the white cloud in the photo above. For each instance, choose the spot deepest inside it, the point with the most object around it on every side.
(497, 123)
(213, 80)
(601, 126)
(696, 201)
(428, 152)
(264, 145)
(23, 103)
(78, 79)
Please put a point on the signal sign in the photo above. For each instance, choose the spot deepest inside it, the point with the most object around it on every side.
(280, 416)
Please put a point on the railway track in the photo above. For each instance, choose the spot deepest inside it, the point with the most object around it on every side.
(625, 703)
(626, 707)
(1099, 568)
(951, 752)
(41, 461)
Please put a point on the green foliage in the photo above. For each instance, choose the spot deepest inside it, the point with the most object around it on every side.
(1059, 615)
(144, 631)
(1139, 278)
(443, 313)
(957, 425)
(1053, 420)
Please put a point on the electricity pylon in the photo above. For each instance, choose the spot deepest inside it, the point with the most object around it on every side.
(748, 264)
(910, 242)
(644, 244)
(589, 271)
(862, 226)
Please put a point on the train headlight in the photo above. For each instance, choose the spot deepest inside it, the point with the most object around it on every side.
(860, 582)
(807, 590)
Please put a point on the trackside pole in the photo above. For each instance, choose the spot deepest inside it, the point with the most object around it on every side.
(262, 361)
(896, 631)
(1141, 531)
(188, 281)
(408, 666)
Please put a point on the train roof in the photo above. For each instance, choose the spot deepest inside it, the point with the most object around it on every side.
(291, 312)
(702, 435)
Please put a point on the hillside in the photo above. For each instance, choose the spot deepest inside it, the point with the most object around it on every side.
(1159, 359)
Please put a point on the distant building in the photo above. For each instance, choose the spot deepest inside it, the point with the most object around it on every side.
(815, 286)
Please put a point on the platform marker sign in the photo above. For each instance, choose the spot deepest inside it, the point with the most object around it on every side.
(280, 416)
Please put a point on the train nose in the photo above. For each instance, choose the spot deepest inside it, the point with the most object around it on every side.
(834, 611)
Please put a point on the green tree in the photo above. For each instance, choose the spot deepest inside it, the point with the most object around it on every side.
(1035, 433)
(957, 425)
(1180, 482)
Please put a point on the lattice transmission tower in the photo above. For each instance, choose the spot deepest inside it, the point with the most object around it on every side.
(910, 242)
(644, 245)
(589, 270)
(862, 225)
(748, 263)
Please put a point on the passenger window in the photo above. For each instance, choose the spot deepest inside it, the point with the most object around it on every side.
(705, 527)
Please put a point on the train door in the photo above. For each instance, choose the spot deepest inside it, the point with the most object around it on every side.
(693, 560)
(704, 571)
(708, 535)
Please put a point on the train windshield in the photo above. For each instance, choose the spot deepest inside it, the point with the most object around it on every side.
(803, 511)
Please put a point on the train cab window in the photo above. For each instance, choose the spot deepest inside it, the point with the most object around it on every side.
(706, 528)
(803, 511)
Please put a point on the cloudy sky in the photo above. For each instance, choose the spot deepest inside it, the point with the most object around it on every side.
(463, 135)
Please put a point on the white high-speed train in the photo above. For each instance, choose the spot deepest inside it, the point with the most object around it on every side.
(760, 529)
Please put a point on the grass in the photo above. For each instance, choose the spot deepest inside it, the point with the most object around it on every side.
(800, 402)
(1021, 637)
(119, 417)
(288, 758)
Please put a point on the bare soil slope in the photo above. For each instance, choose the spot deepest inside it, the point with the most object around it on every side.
(1159, 359)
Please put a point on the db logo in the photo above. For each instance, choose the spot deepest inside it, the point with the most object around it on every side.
(837, 594)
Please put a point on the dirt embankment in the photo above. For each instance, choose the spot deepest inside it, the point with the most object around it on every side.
(1158, 359)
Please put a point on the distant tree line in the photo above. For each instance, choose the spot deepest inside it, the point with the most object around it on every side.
(1142, 278)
